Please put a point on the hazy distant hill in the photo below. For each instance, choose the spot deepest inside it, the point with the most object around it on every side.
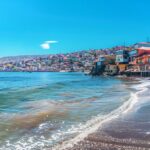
(12, 59)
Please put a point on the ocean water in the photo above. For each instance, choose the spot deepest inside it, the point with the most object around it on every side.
(57, 110)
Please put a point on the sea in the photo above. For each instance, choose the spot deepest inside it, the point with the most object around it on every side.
(54, 111)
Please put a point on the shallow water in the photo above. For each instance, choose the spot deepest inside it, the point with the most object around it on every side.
(128, 129)
(41, 110)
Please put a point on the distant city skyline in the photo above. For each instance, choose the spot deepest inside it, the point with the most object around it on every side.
(39, 27)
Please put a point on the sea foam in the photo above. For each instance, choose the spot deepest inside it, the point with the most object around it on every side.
(98, 121)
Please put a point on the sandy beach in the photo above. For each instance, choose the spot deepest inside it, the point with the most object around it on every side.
(128, 131)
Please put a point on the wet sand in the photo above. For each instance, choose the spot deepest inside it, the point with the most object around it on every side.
(128, 132)
(116, 136)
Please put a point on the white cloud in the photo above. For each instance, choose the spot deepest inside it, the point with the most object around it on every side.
(47, 44)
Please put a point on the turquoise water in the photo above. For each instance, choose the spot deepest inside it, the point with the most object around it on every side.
(39, 110)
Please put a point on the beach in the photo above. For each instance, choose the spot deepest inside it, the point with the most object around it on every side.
(127, 130)
(73, 111)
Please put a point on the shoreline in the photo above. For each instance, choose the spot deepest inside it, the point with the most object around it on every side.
(102, 126)
(99, 137)
(115, 76)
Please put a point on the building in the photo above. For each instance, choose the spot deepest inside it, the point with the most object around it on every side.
(145, 59)
(142, 45)
(122, 57)
(111, 69)
(140, 62)
(135, 53)
(122, 60)
(99, 65)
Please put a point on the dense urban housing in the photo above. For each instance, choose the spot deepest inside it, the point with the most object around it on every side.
(131, 60)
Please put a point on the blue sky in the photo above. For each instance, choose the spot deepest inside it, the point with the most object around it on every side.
(25, 25)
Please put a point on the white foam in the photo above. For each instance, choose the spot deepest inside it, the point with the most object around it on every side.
(148, 133)
(81, 130)
(97, 122)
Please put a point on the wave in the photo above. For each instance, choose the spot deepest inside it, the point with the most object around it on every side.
(98, 121)
(36, 113)
(72, 135)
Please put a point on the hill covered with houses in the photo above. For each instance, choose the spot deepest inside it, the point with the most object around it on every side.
(111, 61)
(133, 61)
(76, 61)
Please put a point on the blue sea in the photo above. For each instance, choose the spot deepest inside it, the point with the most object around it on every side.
(56, 110)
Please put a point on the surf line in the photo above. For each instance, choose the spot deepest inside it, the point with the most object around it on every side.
(97, 122)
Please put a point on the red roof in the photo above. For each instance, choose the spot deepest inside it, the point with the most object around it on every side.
(144, 48)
